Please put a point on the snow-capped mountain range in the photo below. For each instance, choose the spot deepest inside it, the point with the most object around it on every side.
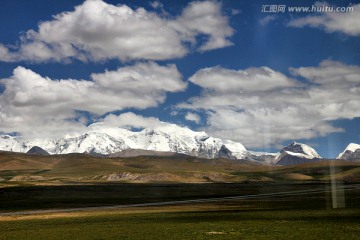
(167, 138)
(164, 138)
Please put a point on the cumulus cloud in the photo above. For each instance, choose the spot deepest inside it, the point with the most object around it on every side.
(336, 89)
(347, 22)
(32, 102)
(97, 31)
(204, 18)
(144, 79)
(280, 108)
(193, 117)
(330, 73)
(253, 79)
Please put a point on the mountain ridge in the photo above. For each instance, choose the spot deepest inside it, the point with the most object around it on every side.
(164, 139)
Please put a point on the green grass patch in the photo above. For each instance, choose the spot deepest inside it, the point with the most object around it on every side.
(278, 217)
(238, 223)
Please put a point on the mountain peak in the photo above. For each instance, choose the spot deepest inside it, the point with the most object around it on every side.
(38, 151)
(99, 140)
(352, 151)
(296, 153)
(300, 149)
(353, 147)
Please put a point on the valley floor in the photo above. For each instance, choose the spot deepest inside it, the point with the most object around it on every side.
(83, 197)
(284, 216)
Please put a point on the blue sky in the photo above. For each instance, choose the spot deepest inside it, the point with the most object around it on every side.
(260, 78)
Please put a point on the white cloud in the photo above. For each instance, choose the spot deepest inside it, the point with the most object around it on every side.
(332, 21)
(174, 113)
(130, 120)
(336, 89)
(329, 73)
(156, 4)
(204, 18)
(235, 11)
(193, 117)
(123, 124)
(97, 31)
(264, 127)
(6, 55)
(237, 81)
(144, 79)
(266, 20)
(32, 103)
(244, 106)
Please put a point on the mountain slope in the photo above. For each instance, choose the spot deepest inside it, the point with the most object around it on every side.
(351, 152)
(19, 144)
(296, 153)
(140, 152)
(38, 151)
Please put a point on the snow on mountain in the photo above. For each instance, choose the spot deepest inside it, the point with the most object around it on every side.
(169, 137)
(166, 138)
(91, 142)
(237, 149)
(263, 157)
(296, 153)
(301, 150)
(19, 144)
(352, 151)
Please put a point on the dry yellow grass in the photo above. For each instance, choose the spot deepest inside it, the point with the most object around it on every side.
(298, 176)
(120, 211)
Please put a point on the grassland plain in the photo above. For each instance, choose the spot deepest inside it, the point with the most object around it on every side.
(308, 216)
(231, 220)
(77, 180)
(73, 196)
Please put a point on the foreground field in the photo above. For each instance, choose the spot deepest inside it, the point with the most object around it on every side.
(234, 220)
(238, 200)
(79, 196)
(308, 215)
